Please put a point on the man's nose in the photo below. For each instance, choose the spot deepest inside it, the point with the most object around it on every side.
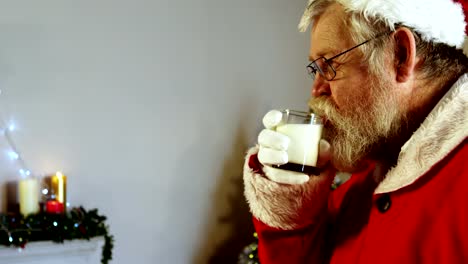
(320, 86)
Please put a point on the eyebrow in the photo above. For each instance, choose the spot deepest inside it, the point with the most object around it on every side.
(323, 53)
(320, 55)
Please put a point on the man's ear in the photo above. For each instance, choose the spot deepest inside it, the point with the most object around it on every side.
(405, 54)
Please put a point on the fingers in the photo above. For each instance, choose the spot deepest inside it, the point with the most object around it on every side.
(273, 146)
(268, 156)
(284, 176)
(272, 119)
(273, 139)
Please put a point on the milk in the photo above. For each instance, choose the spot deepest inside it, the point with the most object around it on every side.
(304, 145)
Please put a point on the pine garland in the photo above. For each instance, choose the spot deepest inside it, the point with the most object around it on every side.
(77, 223)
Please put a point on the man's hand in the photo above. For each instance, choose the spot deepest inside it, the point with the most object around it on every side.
(273, 151)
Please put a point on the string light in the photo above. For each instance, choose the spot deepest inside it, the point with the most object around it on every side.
(24, 172)
(13, 153)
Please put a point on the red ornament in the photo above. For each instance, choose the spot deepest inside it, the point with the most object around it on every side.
(82, 229)
(54, 207)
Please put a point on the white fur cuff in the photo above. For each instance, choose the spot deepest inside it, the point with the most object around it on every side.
(284, 206)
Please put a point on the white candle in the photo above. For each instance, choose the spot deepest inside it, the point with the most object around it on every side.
(29, 196)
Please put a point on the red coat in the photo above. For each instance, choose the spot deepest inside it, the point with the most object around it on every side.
(418, 214)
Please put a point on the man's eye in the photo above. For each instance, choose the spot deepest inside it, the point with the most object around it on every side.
(333, 63)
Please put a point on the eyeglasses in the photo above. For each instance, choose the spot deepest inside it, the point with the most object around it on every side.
(324, 66)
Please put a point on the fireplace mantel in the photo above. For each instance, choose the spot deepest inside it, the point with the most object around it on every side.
(78, 251)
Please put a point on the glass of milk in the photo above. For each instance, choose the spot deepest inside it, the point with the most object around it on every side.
(305, 131)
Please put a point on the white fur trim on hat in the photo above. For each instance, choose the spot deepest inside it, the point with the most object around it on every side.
(441, 21)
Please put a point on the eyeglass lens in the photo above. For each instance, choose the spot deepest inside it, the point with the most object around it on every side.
(322, 67)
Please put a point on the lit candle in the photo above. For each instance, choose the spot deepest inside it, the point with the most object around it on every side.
(28, 196)
(58, 187)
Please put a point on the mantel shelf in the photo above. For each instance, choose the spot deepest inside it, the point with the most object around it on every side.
(79, 251)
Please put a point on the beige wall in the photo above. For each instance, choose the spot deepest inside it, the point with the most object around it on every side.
(148, 107)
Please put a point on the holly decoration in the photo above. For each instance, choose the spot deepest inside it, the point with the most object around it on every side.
(77, 223)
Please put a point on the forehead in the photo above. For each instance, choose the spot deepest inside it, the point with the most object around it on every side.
(329, 34)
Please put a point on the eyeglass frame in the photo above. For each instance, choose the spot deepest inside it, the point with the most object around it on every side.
(312, 72)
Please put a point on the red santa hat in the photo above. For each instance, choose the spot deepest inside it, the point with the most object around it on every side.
(440, 21)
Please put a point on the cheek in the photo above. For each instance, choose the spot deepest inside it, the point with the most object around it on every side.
(351, 94)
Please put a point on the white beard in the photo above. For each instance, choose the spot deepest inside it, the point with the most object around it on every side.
(355, 135)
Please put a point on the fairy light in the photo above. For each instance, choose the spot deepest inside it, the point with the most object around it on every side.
(13, 153)
(6, 129)
(24, 173)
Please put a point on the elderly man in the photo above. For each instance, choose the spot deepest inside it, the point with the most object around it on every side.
(390, 80)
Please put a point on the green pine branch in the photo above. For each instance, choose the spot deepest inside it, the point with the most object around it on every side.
(77, 223)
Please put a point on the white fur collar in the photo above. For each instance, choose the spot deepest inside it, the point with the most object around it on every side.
(443, 130)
